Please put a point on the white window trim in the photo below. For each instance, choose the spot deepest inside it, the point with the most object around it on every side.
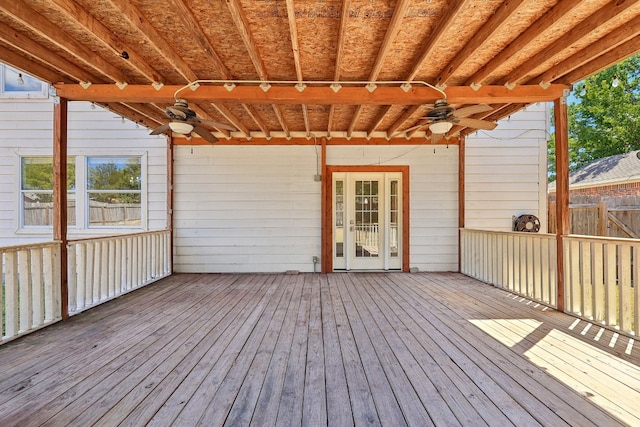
(43, 93)
(82, 227)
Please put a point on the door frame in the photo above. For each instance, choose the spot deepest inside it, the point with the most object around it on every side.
(327, 212)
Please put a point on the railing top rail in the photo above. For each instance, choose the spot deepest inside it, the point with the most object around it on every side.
(28, 246)
(117, 236)
(602, 238)
(519, 233)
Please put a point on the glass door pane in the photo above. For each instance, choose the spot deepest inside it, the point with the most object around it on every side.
(366, 219)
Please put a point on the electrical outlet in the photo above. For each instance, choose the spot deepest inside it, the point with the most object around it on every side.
(317, 178)
(315, 259)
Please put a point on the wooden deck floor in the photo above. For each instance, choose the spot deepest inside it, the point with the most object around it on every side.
(340, 349)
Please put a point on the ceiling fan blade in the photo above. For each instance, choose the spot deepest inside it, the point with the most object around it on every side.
(216, 125)
(472, 109)
(205, 134)
(436, 137)
(476, 123)
(159, 130)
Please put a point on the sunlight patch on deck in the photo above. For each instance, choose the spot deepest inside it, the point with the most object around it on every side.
(495, 328)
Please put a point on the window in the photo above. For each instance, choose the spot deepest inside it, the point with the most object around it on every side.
(102, 192)
(114, 191)
(36, 188)
(16, 84)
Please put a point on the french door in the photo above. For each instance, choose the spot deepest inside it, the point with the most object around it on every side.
(367, 221)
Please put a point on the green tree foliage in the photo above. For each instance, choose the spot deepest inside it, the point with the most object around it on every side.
(604, 120)
(115, 175)
(37, 175)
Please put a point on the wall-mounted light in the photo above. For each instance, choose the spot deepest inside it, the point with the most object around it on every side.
(20, 79)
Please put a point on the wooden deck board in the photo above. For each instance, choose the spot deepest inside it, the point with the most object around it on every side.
(339, 349)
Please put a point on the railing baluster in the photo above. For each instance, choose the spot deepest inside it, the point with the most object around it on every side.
(636, 289)
(11, 294)
(25, 296)
(610, 308)
(37, 287)
(597, 280)
(586, 284)
(624, 287)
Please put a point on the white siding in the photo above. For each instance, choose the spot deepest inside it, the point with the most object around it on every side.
(26, 128)
(506, 171)
(245, 209)
(257, 208)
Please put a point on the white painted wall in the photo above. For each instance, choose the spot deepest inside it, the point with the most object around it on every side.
(26, 129)
(506, 171)
(257, 208)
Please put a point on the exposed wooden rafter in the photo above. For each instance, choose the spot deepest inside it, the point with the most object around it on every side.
(32, 49)
(406, 115)
(490, 27)
(92, 26)
(147, 31)
(554, 15)
(608, 12)
(24, 63)
(29, 18)
(436, 36)
(620, 36)
(344, 19)
(389, 36)
(242, 25)
(295, 47)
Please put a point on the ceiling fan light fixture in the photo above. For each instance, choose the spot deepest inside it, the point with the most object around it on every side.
(440, 127)
(181, 127)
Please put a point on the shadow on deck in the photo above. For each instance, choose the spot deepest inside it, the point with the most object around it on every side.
(339, 349)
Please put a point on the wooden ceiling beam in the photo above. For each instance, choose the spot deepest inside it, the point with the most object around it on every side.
(146, 110)
(492, 26)
(92, 26)
(31, 49)
(138, 21)
(352, 125)
(435, 37)
(334, 140)
(609, 42)
(280, 117)
(322, 95)
(589, 25)
(604, 61)
(295, 47)
(23, 63)
(559, 11)
(22, 13)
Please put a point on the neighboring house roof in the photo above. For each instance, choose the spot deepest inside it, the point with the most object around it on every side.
(605, 171)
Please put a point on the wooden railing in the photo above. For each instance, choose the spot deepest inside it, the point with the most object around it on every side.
(30, 297)
(523, 263)
(103, 268)
(602, 280)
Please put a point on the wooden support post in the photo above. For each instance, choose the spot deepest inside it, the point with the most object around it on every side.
(325, 250)
(461, 197)
(603, 218)
(60, 110)
(562, 190)
(170, 198)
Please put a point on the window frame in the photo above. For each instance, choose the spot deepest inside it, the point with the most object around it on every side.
(42, 93)
(82, 225)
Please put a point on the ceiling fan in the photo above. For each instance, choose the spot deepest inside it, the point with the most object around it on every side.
(441, 118)
(184, 121)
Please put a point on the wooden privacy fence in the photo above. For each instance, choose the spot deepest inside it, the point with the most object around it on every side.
(101, 269)
(523, 263)
(600, 219)
(30, 297)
